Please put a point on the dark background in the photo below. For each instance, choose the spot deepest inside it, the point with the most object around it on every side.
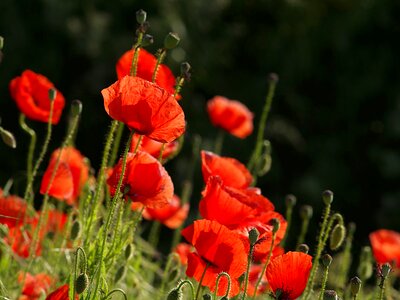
(335, 121)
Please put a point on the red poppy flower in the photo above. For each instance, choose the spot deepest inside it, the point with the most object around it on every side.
(230, 115)
(219, 250)
(386, 246)
(35, 286)
(145, 180)
(20, 239)
(171, 215)
(145, 107)
(289, 274)
(31, 93)
(153, 147)
(145, 69)
(60, 294)
(183, 250)
(12, 210)
(237, 205)
(60, 185)
(232, 172)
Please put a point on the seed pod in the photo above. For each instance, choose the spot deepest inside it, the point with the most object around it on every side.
(306, 212)
(273, 77)
(355, 286)
(120, 274)
(290, 200)
(326, 260)
(75, 230)
(207, 297)
(52, 94)
(276, 224)
(147, 40)
(327, 197)
(141, 16)
(81, 283)
(1, 42)
(175, 294)
(171, 40)
(76, 107)
(303, 248)
(330, 295)
(253, 236)
(337, 236)
(385, 270)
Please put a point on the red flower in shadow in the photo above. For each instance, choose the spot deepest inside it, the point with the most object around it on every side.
(232, 172)
(145, 181)
(219, 250)
(386, 246)
(145, 68)
(31, 93)
(230, 115)
(145, 107)
(12, 210)
(289, 273)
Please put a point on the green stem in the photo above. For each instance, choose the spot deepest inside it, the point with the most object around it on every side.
(161, 153)
(261, 127)
(154, 233)
(95, 201)
(201, 280)
(160, 59)
(182, 283)
(346, 257)
(117, 142)
(289, 213)
(303, 231)
(111, 212)
(219, 141)
(228, 289)
(265, 265)
(32, 144)
(323, 285)
(320, 247)
(136, 49)
(178, 87)
(164, 279)
(115, 291)
(246, 279)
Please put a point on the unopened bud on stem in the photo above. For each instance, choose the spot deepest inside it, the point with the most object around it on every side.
(171, 40)
(327, 197)
(52, 94)
(355, 286)
(141, 16)
(303, 248)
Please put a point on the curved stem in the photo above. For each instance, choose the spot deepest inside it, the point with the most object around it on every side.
(228, 289)
(201, 280)
(79, 249)
(115, 291)
(32, 144)
(117, 142)
(219, 141)
(160, 59)
(188, 282)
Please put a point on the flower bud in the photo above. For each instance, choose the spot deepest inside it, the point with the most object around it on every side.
(120, 274)
(175, 294)
(306, 212)
(253, 236)
(129, 251)
(81, 283)
(207, 297)
(171, 40)
(337, 236)
(276, 224)
(141, 16)
(76, 107)
(326, 260)
(147, 40)
(185, 67)
(355, 285)
(327, 197)
(8, 138)
(330, 295)
(303, 248)
(52, 94)
(75, 230)
(385, 270)
(273, 77)
(290, 200)
(1, 42)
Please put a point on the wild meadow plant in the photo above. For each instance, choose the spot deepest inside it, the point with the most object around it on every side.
(84, 238)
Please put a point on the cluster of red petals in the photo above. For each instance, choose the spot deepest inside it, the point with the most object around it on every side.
(12, 210)
(153, 147)
(183, 250)
(145, 180)
(34, 286)
(31, 93)
(386, 246)
(60, 293)
(69, 178)
(231, 171)
(219, 250)
(145, 107)
(289, 273)
(145, 68)
(172, 215)
(231, 115)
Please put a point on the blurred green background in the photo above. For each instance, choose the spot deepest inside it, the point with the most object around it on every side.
(335, 121)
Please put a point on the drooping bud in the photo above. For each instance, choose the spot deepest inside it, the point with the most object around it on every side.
(171, 40)
(365, 269)
(129, 251)
(8, 138)
(337, 236)
(141, 16)
(147, 40)
(81, 283)
(330, 295)
(207, 297)
(1, 42)
(75, 230)
(253, 236)
(76, 107)
(276, 224)
(290, 200)
(52, 94)
(327, 197)
(385, 270)
(306, 212)
(175, 294)
(303, 248)
(355, 286)
(326, 260)
(120, 273)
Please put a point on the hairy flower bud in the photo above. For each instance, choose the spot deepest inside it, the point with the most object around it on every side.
(147, 40)
(276, 224)
(337, 236)
(253, 236)
(175, 294)
(330, 295)
(76, 107)
(81, 283)
(75, 230)
(141, 16)
(290, 200)
(385, 270)
(171, 40)
(326, 260)
(8, 138)
(52, 94)
(120, 274)
(306, 212)
(355, 285)
(327, 197)
(303, 248)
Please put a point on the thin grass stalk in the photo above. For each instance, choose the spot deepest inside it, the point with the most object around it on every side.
(32, 145)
